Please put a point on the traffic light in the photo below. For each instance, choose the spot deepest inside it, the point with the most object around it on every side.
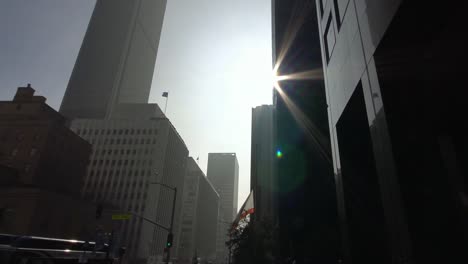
(99, 210)
(170, 237)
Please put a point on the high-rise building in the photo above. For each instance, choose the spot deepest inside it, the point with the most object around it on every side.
(262, 170)
(116, 60)
(136, 148)
(307, 207)
(199, 217)
(393, 72)
(223, 173)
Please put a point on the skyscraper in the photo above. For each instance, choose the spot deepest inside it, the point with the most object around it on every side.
(199, 217)
(116, 60)
(223, 173)
(134, 150)
(394, 72)
(307, 207)
(262, 170)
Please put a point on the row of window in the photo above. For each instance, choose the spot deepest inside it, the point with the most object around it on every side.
(145, 151)
(121, 162)
(20, 137)
(32, 152)
(131, 131)
(330, 31)
(124, 141)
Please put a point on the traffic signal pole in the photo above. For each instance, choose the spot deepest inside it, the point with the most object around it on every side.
(172, 224)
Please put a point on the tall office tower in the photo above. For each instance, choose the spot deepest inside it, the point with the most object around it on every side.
(223, 173)
(199, 217)
(307, 206)
(393, 72)
(134, 149)
(116, 60)
(262, 170)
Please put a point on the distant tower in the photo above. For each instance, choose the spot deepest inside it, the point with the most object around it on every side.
(116, 60)
(223, 173)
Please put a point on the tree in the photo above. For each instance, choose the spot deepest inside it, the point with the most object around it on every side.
(253, 242)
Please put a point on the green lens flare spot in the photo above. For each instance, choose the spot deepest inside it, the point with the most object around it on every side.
(279, 154)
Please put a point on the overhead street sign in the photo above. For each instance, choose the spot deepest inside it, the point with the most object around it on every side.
(121, 216)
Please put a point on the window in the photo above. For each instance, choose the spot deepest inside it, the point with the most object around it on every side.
(120, 131)
(14, 152)
(33, 152)
(27, 167)
(142, 141)
(321, 7)
(330, 38)
(85, 131)
(20, 137)
(337, 14)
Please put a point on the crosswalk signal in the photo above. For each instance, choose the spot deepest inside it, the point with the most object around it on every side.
(170, 237)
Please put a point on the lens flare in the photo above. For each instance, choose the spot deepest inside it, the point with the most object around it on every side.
(279, 154)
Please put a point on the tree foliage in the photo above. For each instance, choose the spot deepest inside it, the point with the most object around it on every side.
(254, 242)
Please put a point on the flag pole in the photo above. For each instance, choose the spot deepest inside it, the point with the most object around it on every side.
(165, 107)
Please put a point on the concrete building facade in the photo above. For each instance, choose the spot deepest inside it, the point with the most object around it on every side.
(35, 140)
(199, 217)
(307, 206)
(116, 60)
(42, 169)
(133, 149)
(392, 71)
(262, 165)
(223, 173)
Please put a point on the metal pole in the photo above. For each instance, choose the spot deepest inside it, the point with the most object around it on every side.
(165, 107)
(111, 241)
(172, 223)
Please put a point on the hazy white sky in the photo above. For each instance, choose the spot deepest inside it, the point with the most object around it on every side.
(214, 59)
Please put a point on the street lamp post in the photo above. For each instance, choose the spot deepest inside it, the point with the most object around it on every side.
(172, 215)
